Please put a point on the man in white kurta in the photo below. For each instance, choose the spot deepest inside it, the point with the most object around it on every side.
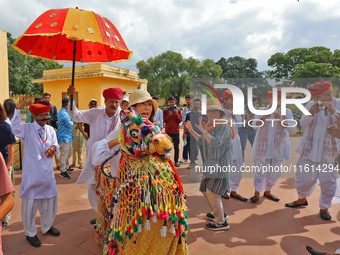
(102, 121)
(318, 149)
(271, 146)
(38, 186)
(235, 176)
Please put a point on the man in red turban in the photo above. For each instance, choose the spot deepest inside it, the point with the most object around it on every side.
(227, 94)
(319, 88)
(102, 121)
(318, 149)
(270, 94)
(113, 93)
(38, 186)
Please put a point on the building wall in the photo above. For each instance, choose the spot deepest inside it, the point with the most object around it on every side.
(86, 88)
(4, 87)
(90, 82)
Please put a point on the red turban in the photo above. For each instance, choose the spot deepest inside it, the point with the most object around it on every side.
(270, 93)
(227, 94)
(40, 106)
(113, 93)
(319, 87)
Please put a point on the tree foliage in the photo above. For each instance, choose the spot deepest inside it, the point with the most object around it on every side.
(243, 73)
(315, 62)
(169, 74)
(238, 67)
(23, 69)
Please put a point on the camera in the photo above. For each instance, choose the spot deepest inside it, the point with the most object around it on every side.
(320, 104)
(172, 108)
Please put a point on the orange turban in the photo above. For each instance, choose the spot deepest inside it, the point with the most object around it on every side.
(270, 93)
(113, 93)
(227, 94)
(319, 87)
(40, 106)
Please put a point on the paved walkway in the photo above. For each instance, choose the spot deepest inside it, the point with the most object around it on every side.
(263, 228)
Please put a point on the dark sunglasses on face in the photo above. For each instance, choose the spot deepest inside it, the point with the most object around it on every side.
(93, 104)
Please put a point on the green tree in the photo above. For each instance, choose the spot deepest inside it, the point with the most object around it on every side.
(169, 74)
(312, 69)
(22, 69)
(238, 67)
(243, 73)
(297, 61)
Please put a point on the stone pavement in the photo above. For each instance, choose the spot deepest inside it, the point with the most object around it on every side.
(264, 228)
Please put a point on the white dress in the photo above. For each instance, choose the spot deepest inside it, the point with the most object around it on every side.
(236, 176)
(307, 176)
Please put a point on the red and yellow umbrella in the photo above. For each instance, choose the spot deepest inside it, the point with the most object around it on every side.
(73, 35)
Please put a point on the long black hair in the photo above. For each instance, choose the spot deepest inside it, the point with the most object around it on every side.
(9, 106)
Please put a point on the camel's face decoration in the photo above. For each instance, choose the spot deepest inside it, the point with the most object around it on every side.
(141, 138)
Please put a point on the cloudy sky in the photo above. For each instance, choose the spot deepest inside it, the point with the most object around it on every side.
(208, 29)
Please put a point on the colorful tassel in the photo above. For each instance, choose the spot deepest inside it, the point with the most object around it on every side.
(112, 251)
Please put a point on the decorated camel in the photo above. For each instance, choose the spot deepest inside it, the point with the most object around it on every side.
(142, 211)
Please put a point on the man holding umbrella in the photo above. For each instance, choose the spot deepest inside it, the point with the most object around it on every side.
(102, 121)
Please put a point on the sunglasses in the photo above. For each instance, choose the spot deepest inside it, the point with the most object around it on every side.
(94, 104)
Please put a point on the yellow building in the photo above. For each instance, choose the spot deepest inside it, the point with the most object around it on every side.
(3, 67)
(89, 81)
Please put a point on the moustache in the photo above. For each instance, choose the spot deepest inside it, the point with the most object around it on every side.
(114, 107)
(45, 119)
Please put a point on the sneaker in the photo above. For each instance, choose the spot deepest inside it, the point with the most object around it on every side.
(177, 164)
(70, 170)
(4, 225)
(210, 216)
(184, 161)
(217, 227)
(64, 175)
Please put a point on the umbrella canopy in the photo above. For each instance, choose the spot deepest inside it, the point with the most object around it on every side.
(52, 36)
(74, 35)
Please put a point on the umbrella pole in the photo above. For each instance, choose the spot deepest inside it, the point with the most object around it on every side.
(73, 67)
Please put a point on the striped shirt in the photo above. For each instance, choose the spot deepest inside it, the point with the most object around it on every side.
(218, 152)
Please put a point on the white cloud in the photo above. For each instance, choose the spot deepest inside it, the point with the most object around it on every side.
(192, 52)
(202, 29)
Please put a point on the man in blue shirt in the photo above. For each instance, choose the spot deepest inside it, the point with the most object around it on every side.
(64, 135)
